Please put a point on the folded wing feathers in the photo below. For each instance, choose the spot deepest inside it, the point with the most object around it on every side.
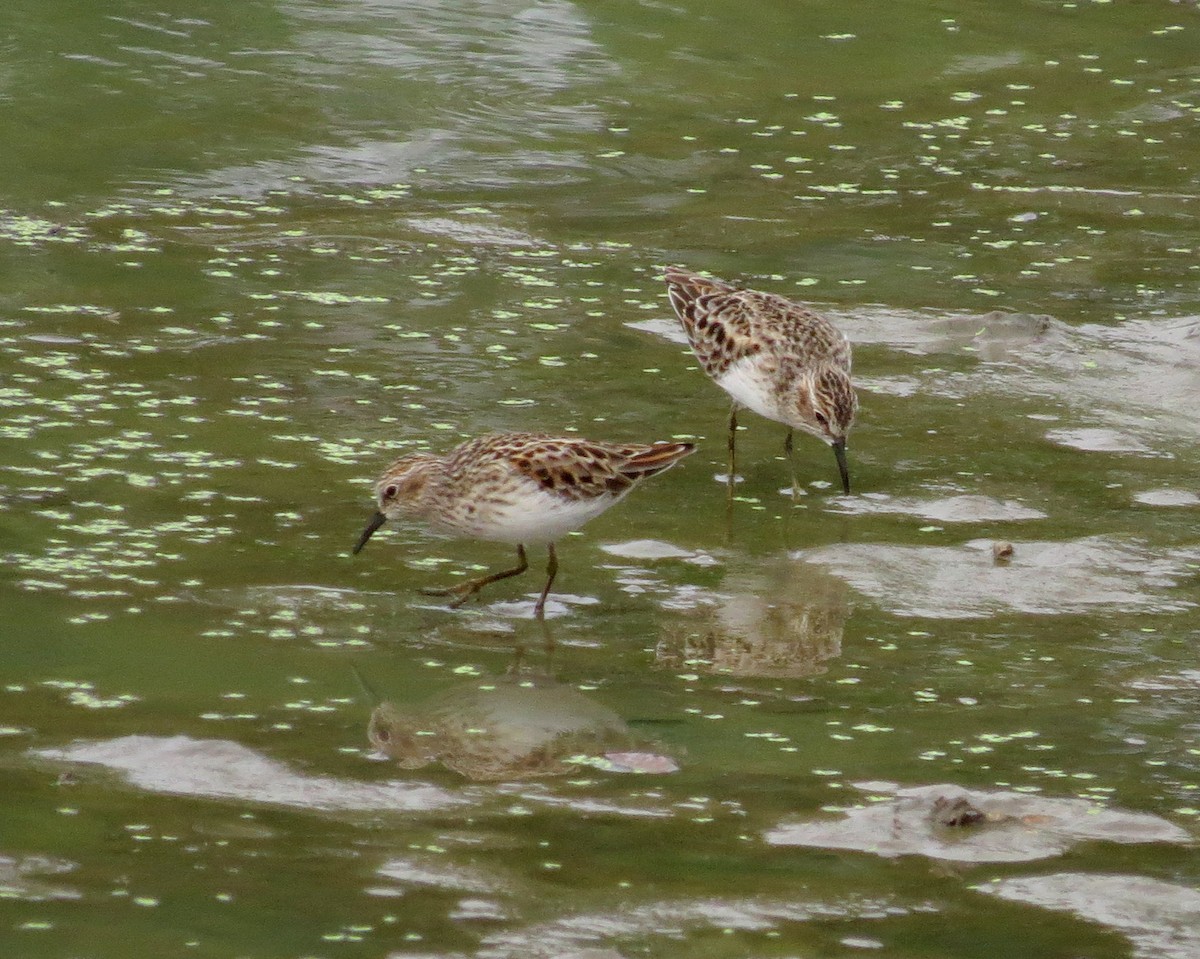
(654, 459)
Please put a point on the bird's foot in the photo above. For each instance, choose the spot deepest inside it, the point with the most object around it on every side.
(462, 591)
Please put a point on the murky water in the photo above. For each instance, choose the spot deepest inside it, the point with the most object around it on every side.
(253, 253)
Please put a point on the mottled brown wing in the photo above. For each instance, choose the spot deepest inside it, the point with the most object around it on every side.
(582, 469)
(725, 324)
(714, 317)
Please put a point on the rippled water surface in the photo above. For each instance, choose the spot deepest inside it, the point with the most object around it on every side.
(255, 251)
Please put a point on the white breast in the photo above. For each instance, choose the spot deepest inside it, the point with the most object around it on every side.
(746, 382)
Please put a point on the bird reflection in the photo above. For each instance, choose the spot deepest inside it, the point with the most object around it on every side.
(783, 621)
(521, 725)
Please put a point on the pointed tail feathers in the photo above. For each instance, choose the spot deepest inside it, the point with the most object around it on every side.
(650, 460)
(686, 290)
(685, 285)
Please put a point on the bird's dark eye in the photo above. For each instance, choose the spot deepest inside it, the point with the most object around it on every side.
(390, 492)
(821, 419)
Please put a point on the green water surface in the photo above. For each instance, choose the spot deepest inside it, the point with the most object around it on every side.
(251, 252)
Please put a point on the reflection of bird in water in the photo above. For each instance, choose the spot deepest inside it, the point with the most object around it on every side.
(771, 355)
(786, 621)
(517, 726)
(517, 488)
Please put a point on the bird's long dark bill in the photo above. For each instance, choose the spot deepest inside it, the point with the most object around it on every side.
(376, 521)
(839, 452)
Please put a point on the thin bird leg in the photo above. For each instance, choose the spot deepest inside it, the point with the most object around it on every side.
(539, 611)
(787, 449)
(465, 591)
(730, 477)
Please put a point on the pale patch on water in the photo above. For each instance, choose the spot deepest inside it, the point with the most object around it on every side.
(1014, 827)
(1137, 380)
(1099, 440)
(219, 769)
(1161, 920)
(963, 582)
(478, 910)
(989, 336)
(668, 923)
(641, 807)
(557, 605)
(986, 63)
(428, 872)
(473, 232)
(657, 549)
(900, 387)
(1167, 497)
(947, 509)
(1185, 681)
(645, 549)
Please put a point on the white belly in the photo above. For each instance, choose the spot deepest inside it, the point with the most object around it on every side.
(534, 516)
(749, 387)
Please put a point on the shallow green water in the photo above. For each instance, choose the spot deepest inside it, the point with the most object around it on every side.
(253, 253)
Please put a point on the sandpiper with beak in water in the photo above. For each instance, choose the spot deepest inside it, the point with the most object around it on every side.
(771, 355)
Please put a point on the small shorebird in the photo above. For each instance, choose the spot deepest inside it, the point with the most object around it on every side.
(518, 488)
(778, 358)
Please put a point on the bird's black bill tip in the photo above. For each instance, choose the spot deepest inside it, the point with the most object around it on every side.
(839, 452)
(376, 521)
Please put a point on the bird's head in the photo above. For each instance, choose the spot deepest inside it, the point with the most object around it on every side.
(399, 492)
(826, 405)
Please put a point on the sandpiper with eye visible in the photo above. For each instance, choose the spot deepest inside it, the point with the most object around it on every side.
(516, 488)
(775, 357)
